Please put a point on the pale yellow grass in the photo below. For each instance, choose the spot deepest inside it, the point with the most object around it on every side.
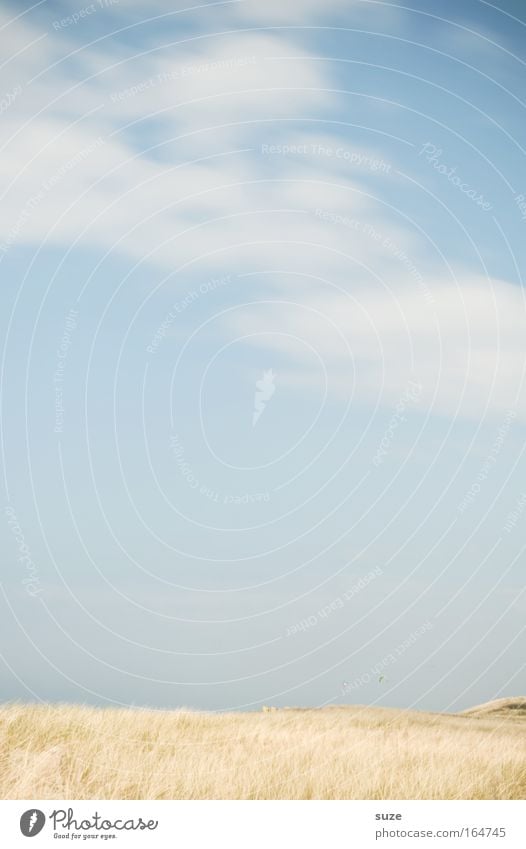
(65, 752)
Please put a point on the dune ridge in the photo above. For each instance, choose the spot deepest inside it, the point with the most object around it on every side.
(511, 708)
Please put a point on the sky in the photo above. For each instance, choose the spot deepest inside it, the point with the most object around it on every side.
(262, 323)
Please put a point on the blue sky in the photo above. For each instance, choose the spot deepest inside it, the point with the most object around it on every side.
(310, 210)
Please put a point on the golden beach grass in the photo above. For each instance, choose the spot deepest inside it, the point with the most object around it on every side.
(70, 752)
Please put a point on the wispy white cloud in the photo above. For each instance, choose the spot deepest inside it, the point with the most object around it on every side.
(83, 153)
(466, 349)
(161, 160)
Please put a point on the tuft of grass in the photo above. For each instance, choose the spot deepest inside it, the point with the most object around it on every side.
(72, 752)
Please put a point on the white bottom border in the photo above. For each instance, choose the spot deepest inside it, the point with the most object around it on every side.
(264, 825)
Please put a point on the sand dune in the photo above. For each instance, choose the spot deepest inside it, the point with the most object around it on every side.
(506, 708)
(57, 752)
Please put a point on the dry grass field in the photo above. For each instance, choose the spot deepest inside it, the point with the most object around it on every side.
(66, 752)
